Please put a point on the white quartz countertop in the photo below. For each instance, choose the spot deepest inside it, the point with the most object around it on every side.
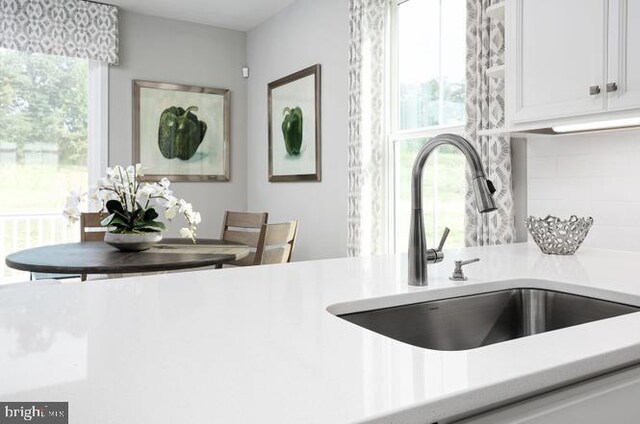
(257, 345)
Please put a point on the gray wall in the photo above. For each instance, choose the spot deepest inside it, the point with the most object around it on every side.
(308, 32)
(165, 50)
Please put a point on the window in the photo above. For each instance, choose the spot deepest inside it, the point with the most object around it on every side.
(428, 98)
(44, 146)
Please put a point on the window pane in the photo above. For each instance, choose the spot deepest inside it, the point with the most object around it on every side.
(431, 63)
(43, 147)
(454, 52)
(443, 193)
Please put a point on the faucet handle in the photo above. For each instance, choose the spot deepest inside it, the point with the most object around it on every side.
(458, 274)
(445, 234)
(434, 256)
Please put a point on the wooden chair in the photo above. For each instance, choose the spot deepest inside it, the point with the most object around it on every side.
(91, 229)
(245, 228)
(279, 241)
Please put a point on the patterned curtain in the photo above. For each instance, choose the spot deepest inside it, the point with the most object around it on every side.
(485, 110)
(72, 28)
(368, 21)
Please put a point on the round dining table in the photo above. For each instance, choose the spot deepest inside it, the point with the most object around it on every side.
(97, 257)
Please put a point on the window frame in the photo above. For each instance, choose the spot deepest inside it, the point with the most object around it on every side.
(98, 120)
(395, 135)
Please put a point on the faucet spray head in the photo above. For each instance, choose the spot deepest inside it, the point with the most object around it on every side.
(484, 190)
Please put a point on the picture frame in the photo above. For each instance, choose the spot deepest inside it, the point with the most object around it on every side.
(181, 132)
(294, 113)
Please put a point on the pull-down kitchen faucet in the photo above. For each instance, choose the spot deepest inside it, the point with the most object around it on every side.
(419, 255)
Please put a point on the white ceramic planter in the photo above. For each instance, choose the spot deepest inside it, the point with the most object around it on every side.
(132, 242)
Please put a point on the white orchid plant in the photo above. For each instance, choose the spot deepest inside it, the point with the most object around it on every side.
(132, 204)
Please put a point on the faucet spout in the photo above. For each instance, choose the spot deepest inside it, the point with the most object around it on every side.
(419, 255)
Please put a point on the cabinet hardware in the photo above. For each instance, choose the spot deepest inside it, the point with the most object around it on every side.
(594, 89)
(612, 86)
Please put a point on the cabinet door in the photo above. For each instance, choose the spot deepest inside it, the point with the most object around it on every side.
(624, 54)
(560, 53)
(607, 400)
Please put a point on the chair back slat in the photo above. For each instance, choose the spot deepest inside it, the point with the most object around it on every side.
(249, 238)
(245, 219)
(278, 255)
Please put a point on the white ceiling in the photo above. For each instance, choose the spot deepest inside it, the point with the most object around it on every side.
(242, 15)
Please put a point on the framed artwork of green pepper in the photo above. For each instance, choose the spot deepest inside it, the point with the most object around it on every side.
(181, 131)
(294, 127)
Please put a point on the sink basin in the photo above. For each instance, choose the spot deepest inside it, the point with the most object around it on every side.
(469, 322)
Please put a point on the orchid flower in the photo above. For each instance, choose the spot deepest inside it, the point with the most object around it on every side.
(129, 201)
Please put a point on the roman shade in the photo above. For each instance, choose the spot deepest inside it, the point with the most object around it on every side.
(73, 28)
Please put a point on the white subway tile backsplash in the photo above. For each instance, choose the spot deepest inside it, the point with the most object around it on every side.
(606, 143)
(632, 166)
(575, 189)
(543, 189)
(543, 166)
(542, 207)
(612, 165)
(575, 166)
(616, 214)
(557, 146)
(589, 175)
(562, 208)
(559, 188)
(616, 238)
(565, 208)
(614, 189)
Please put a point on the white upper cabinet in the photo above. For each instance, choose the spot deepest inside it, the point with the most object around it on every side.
(624, 55)
(560, 54)
(568, 59)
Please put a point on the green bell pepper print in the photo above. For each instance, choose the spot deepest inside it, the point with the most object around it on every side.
(292, 130)
(180, 133)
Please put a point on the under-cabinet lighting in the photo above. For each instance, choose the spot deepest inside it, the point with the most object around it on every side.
(601, 125)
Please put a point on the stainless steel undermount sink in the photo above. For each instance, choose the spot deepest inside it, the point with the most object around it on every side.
(473, 321)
